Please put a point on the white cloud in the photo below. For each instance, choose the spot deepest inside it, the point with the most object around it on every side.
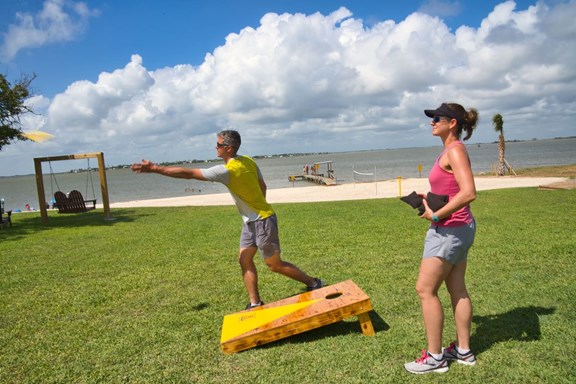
(327, 82)
(59, 20)
(120, 94)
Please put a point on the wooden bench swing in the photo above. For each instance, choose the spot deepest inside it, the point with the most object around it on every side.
(74, 202)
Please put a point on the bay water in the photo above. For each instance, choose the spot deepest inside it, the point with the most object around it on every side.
(386, 164)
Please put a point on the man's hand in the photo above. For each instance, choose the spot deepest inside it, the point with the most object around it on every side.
(144, 167)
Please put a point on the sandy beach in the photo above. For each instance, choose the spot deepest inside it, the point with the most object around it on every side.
(349, 191)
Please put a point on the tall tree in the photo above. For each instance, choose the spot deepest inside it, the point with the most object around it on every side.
(498, 123)
(12, 99)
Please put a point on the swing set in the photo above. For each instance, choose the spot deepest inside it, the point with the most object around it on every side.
(74, 202)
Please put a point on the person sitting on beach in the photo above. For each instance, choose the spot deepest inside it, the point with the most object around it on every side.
(242, 177)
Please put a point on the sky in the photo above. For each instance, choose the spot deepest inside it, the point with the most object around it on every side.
(158, 79)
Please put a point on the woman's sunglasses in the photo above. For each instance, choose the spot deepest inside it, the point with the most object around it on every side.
(437, 119)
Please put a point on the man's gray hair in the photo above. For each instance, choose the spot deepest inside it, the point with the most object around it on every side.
(231, 138)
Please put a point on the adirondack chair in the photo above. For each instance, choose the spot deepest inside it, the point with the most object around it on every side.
(4, 221)
(74, 203)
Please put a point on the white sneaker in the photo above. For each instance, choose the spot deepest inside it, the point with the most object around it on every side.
(426, 364)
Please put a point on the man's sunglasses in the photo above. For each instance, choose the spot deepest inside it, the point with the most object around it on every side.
(220, 145)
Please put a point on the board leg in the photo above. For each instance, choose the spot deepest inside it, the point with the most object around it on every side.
(366, 324)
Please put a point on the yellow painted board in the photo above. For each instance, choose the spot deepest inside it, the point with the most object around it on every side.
(238, 323)
(296, 314)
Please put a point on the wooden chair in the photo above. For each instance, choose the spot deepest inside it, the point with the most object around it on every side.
(5, 221)
(74, 203)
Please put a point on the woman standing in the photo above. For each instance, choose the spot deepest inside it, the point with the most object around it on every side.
(449, 237)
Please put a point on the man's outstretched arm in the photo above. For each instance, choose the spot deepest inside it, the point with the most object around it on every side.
(147, 166)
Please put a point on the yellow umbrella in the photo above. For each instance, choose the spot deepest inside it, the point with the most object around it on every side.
(37, 136)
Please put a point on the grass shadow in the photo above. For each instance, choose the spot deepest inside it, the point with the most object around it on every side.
(200, 306)
(520, 324)
(341, 328)
(28, 224)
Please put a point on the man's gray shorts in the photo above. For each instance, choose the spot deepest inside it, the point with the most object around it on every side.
(450, 243)
(262, 234)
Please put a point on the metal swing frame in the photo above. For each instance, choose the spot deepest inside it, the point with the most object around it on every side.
(40, 180)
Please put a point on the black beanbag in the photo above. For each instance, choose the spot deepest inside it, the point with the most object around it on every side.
(435, 202)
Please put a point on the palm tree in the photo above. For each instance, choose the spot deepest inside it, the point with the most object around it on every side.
(498, 123)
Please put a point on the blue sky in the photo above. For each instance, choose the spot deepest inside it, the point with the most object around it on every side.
(157, 79)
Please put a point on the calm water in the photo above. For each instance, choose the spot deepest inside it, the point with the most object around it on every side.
(123, 185)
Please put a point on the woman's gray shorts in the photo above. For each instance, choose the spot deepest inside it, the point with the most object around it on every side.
(450, 243)
(262, 234)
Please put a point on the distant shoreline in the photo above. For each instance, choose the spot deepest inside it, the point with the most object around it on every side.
(294, 154)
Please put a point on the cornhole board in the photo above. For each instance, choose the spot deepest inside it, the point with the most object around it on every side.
(296, 314)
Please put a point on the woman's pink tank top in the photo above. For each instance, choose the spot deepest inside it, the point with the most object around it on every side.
(443, 182)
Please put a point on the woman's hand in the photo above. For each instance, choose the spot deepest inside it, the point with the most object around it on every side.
(427, 211)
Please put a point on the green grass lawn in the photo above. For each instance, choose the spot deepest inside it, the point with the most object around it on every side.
(141, 299)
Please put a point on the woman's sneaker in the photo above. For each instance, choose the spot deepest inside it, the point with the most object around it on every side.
(426, 364)
(451, 353)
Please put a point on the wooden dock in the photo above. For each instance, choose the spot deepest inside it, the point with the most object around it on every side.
(296, 314)
(318, 179)
(314, 174)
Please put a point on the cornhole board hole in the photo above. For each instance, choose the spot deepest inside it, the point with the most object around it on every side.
(296, 314)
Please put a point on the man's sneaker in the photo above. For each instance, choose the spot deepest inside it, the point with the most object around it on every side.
(250, 305)
(426, 364)
(317, 284)
(451, 353)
